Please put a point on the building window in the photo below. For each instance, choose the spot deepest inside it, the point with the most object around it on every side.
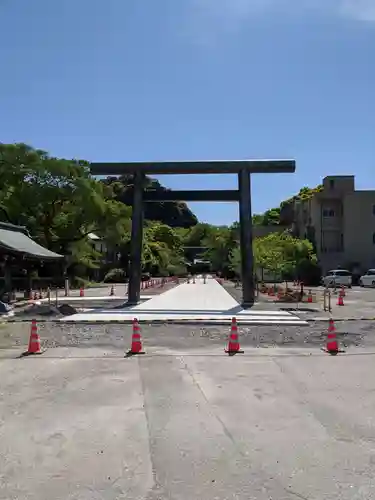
(331, 184)
(328, 213)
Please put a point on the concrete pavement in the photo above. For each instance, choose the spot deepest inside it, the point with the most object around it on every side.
(199, 301)
(72, 430)
(85, 423)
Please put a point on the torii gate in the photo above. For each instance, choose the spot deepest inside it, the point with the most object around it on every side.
(243, 168)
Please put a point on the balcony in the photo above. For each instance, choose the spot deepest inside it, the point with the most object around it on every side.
(332, 225)
(331, 218)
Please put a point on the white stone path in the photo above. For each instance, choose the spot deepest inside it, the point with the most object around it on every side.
(195, 302)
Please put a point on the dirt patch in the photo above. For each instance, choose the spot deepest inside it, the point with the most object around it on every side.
(300, 309)
(40, 310)
(67, 310)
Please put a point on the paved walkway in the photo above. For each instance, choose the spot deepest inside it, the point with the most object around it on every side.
(190, 302)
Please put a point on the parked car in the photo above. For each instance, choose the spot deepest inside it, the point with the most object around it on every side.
(338, 277)
(368, 279)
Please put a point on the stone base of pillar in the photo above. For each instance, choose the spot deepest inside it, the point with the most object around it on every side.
(247, 305)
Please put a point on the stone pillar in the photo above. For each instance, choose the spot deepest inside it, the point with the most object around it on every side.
(135, 268)
(246, 232)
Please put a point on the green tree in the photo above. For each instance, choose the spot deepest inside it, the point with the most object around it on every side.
(220, 242)
(258, 219)
(58, 201)
(198, 235)
(272, 217)
(235, 261)
(162, 250)
(174, 214)
(278, 254)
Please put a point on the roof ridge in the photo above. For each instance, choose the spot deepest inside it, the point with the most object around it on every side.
(12, 227)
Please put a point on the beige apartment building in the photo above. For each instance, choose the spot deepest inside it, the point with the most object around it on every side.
(341, 223)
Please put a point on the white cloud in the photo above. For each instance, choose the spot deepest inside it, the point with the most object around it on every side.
(231, 14)
(363, 10)
(231, 10)
(207, 19)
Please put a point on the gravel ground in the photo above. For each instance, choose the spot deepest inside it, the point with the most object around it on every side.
(185, 337)
(359, 304)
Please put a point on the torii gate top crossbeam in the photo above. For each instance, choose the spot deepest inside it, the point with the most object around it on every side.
(195, 167)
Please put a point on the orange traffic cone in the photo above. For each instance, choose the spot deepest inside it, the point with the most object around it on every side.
(332, 343)
(136, 347)
(34, 341)
(233, 344)
(309, 297)
(340, 299)
(81, 292)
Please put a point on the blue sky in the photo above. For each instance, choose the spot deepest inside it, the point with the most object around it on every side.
(122, 80)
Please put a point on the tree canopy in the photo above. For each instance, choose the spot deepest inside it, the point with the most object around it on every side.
(280, 254)
(62, 204)
(283, 214)
(175, 214)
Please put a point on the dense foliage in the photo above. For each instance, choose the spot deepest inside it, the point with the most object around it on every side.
(280, 255)
(283, 215)
(175, 214)
(62, 205)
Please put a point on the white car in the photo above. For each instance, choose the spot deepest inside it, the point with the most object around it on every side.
(368, 279)
(338, 277)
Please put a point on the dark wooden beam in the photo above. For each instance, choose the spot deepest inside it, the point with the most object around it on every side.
(195, 167)
(246, 233)
(136, 242)
(220, 195)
